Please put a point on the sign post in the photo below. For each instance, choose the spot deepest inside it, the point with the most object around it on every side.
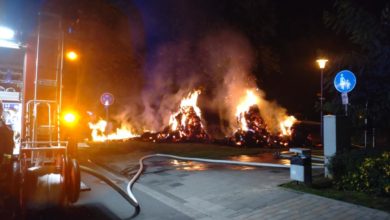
(344, 101)
(337, 129)
(344, 82)
(107, 99)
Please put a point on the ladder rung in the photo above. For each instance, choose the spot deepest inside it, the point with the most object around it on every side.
(47, 82)
(46, 126)
(18, 82)
(42, 148)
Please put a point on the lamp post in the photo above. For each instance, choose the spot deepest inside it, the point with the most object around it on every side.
(322, 64)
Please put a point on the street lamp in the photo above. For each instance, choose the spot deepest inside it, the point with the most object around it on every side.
(322, 64)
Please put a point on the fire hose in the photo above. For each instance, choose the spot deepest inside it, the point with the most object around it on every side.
(128, 197)
(225, 162)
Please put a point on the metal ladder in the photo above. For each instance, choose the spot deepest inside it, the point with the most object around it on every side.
(42, 115)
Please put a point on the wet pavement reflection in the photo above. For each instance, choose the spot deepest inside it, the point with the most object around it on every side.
(198, 166)
(261, 158)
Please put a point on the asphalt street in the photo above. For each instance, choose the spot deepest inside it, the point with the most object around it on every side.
(171, 189)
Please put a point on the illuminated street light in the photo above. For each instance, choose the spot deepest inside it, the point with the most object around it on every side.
(71, 55)
(322, 64)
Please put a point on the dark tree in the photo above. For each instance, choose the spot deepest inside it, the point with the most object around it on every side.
(258, 20)
(366, 52)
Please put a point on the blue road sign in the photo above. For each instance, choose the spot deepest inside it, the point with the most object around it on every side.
(107, 99)
(344, 81)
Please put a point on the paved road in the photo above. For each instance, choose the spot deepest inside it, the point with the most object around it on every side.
(180, 190)
(204, 191)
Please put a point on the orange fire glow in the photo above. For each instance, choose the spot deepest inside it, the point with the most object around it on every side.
(286, 125)
(250, 99)
(99, 129)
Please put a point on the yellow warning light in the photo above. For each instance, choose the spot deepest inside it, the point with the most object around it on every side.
(70, 118)
(71, 55)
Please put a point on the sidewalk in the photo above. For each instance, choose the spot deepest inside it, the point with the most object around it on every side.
(223, 192)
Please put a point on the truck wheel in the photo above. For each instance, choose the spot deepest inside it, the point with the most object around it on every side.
(74, 181)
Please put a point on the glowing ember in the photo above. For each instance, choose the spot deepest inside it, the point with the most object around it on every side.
(99, 130)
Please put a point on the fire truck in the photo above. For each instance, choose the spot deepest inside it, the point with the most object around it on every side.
(43, 170)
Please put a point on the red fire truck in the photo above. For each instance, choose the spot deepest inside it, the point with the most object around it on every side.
(43, 170)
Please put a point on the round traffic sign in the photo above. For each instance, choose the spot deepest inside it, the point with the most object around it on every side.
(345, 81)
(107, 99)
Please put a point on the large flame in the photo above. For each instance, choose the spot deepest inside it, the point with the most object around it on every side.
(184, 125)
(99, 130)
(286, 125)
(249, 100)
(283, 122)
(187, 105)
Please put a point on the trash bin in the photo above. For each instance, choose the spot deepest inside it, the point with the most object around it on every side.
(300, 168)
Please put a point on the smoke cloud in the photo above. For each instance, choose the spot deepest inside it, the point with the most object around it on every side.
(220, 65)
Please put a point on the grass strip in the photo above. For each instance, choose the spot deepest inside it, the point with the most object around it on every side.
(323, 187)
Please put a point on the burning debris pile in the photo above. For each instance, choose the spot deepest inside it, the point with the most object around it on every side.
(259, 124)
(252, 128)
(184, 125)
(220, 62)
(102, 132)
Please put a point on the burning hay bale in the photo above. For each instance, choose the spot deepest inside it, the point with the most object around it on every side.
(191, 127)
(252, 129)
(256, 132)
(184, 125)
